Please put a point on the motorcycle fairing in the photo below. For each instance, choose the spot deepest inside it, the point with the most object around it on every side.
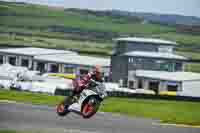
(76, 107)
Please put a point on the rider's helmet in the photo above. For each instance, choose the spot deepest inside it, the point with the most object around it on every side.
(98, 73)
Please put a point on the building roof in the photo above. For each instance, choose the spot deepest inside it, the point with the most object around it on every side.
(74, 59)
(171, 76)
(155, 55)
(146, 40)
(32, 51)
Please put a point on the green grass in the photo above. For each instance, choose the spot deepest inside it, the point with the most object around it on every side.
(182, 39)
(29, 97)
(35, 20)
(58, 43)
(17, 131)
(166, 111)
(8, 131)
(42, 16)
(191, 55)
(11, 131)
(191, 67)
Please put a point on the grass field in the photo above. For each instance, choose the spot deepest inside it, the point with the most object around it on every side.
(25, 15)
(31, 26)
(26, 18)
(57, 43)
(191, 67)
(166, 111)
(10, 131)
(14, 131)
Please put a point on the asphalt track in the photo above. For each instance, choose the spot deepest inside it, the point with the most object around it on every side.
(44, 119)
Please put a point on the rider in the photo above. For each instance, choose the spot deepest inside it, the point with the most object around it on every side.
(84, 82)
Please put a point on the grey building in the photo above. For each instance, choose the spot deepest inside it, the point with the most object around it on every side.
(131, 54)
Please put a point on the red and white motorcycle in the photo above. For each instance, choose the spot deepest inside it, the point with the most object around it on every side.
(88, 102)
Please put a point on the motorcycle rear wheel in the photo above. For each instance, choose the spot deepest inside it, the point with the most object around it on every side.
(62, 107)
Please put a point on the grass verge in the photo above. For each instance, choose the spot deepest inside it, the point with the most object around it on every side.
(167, 111)
(7, 131)
(16, 131)
(10, 131)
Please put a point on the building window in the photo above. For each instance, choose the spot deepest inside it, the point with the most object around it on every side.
(40, 67)
(163, 65)
(130, 60)
(121, 83)
(25, 62)
(12, 61)
(179, 66)
(172, 86)
(165, 49)
(68, 70)
(138, 63)
(1, 59)
(125, 82)
(54, 68)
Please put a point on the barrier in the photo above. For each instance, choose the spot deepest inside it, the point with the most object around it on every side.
(62, 92)
(68, 92)
(153, 97)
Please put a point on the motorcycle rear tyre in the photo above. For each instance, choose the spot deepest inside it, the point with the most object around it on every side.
(62, 108)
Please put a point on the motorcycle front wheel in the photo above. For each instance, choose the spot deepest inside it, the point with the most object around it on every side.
(90, 107)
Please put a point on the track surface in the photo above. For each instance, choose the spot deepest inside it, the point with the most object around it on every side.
(44, 119)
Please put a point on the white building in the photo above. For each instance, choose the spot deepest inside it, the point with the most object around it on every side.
(68, 63)
(183, 83)
(51, 60)
(24, 56)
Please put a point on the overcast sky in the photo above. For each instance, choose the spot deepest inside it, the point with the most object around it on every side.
(182, 7)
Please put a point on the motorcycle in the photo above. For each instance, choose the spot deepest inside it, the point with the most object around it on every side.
(87, 103)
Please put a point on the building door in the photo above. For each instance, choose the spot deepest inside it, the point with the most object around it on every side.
(154, 85)
(140, 84)
(106, 78)
(131, 84)
(1, 59)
